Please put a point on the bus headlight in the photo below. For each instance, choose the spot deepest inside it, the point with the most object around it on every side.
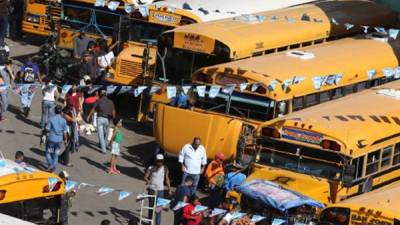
(32, 18)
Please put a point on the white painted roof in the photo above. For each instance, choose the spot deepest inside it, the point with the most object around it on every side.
(222, 9)
(8, 220)
(12, 168)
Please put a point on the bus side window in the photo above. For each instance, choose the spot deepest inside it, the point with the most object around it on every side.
(270, 51)
(348, 89)
(311, 100)
(396, 154)
(373, 162)
(281, 49)
(361, 86)
(324, 96)
(305, 44)
(359, 165)
(386, 156)
(298, 103)
(337, 93)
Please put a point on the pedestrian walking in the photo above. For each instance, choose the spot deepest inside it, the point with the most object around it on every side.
(215, 179)
(105, 111)
(193, 159)
(26, 77)
(189, 216)
(75, 99)
(7, 76)
(4, 14)
(115, 142)
(72, 145)
(57, 128)
(50, 95)
(155, 177)
(16, 19)
(182, 194)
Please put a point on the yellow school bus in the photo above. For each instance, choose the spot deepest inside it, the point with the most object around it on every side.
(377, 207)
(37, 204)
(188, 48)
(337, 150)
(277, 85)
(83, 15)
(41, 16)
(141, 31)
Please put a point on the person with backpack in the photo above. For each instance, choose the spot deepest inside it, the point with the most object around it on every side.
(155, 177)
(27, 77)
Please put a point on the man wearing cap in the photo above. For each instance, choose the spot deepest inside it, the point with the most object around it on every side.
(193, 159)
(215, 178)
(105, 111)
(155, 177)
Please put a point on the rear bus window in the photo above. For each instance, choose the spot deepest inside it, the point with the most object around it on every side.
(373, 162)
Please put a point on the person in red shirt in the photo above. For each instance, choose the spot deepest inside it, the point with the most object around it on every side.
(75, 99)
(188, 216)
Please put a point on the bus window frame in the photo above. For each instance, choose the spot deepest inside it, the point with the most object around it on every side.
(389, 157)
(396, 154)
(301, 98)
(373, 163)
(359, 164)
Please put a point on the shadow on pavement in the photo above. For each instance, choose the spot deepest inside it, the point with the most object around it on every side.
(36, 163)
(89, 143)
(37, 151)
(141, 154)
(15, 110)
(123, 216)
(100, 166)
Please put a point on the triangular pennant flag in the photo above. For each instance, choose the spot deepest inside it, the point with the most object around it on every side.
(139, 90)
(171, 92)
(348, 26)
(100, 3)
(186, 89)
(186, 6)
(388, 72)
(243, 86)
(305, 17)
(216, 212)
(124, 89)
(85, 185)
(272, 84)
(144, 10)
(255, 86)
(365, 28)
(154, 89)
(95, 88)
(397, 73)
(180, 205)
(52, 183)
(70, 185)
(371, 74)
(393, 33)
(286, 84)
(129, 8)
(260, 18)
(110, 89)
(112, 5)
(104, 190)
(334, 21)
(162, 202)
(199, 208)
(274, 18)
(257, 218)
(214, 91)
(229, 88)
(380, 30)
(317, 81)
(278, 222)
(65, 89)
(123, 194)
(201, 90)
(238, 215)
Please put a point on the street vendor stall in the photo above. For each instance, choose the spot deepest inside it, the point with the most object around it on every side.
(277, 204)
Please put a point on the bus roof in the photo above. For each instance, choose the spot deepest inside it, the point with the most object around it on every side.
(8, 220)
(315, 60)
(246, 36)
(12, 167)
(206, 10)
(366, 113)
(385, 199)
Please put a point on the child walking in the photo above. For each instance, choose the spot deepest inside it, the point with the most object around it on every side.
(115, 142)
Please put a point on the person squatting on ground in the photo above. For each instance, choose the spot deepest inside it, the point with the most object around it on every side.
(57, 129)
(215, 179)
(155, 177)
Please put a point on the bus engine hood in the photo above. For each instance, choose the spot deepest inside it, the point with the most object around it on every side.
(174, 127)
(312, 187)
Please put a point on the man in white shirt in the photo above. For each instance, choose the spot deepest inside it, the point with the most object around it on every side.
(193, 159)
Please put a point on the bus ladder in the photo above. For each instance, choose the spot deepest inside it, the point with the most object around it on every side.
(144, 209)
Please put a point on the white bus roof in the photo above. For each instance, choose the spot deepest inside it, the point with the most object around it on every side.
(222, 9)
(8, 220)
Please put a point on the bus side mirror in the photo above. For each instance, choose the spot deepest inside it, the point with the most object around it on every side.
(348, 175)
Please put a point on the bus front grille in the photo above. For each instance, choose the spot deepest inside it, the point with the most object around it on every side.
(131, 69)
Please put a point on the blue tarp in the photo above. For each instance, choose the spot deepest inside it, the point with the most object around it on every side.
(272, 194)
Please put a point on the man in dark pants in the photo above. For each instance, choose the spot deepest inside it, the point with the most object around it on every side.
(16, 19)
(4, 13)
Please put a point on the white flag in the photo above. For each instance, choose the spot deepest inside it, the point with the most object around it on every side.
(201, 90)
(243, 86)
(186, 89)
(229, 88)
(214, 91)
(171, 92)
(154, 89)
(139, 90)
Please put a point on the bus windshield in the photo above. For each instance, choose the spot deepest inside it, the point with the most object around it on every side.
(181, 64)
(140, 29)
(301, 159)
(39, 210)
(239, 104)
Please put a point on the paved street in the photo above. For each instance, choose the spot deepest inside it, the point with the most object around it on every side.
(19, 133)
